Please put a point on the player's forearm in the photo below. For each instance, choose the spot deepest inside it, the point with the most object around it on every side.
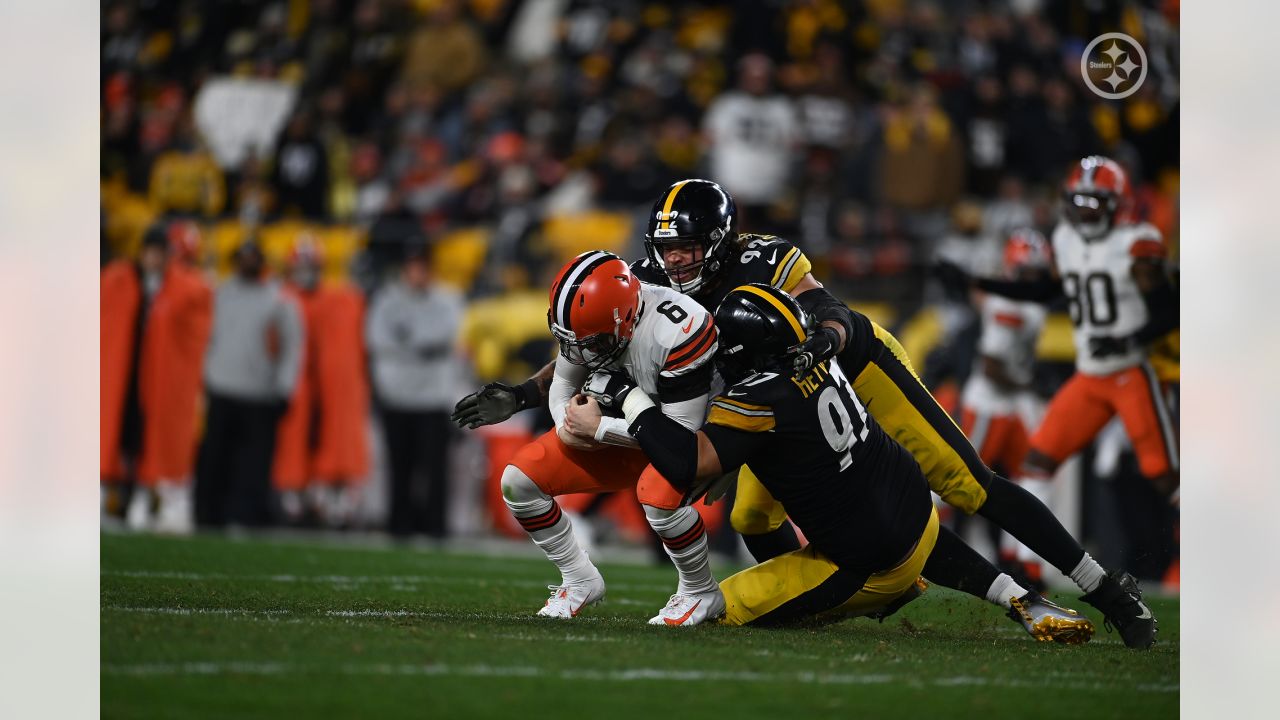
(829, 311)
(1163, 314)
(674, 450)
(997, 373)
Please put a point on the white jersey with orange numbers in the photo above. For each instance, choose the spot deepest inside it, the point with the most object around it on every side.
(1103, 299)
(669, 357)
(1010, 330)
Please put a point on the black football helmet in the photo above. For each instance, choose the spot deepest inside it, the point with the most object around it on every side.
(693, 212)
(758, 325)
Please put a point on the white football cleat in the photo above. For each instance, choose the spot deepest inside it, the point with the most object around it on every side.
(175, 515)
(690, 610)
(567, 601)
(138, 517)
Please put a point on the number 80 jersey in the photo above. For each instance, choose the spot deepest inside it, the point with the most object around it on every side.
(1102, 297)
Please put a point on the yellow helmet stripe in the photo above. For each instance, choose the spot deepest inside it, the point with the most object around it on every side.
(786, 313)
(671, 198)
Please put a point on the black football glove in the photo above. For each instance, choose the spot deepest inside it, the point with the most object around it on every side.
(955, 280)
(822, 344)
(1104, 346)
(489, 405)
(609, 387)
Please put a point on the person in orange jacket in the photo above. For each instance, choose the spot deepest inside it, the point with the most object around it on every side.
(155, 315)
(322, 451)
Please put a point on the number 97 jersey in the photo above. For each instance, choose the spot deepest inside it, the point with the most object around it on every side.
(859, 497)
(1103, 298)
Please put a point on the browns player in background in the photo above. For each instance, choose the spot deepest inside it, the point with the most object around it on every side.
(322, 447)
(156, 313)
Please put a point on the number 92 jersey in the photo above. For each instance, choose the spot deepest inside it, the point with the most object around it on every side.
(859, 497)
(1103, 298)
(762, 259)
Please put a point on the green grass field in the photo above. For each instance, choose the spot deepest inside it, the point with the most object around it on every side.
(211, 627)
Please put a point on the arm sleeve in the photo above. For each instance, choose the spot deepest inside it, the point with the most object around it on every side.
(822, 305)
(1163, 314)
(1041, 290)
(291, 339)
(566, 382)
(671, 447)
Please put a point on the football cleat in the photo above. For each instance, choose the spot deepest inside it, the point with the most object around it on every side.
(1049, 622)
(690, 610)
(916, 590)
(567, 600)
(1120, 600)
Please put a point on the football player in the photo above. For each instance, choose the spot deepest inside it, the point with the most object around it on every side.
(693, 245)
(859, 497)
(1121, 303)
(604, 317)
(999, 410)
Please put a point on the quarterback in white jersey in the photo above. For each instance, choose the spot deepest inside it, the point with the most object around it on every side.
(604, 318)
(1121, 301)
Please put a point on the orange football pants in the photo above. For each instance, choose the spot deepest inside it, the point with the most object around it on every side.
(1086, 403)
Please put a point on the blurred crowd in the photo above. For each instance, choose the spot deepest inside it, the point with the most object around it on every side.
(436, 160)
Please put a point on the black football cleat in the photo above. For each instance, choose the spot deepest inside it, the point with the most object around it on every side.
(1120, 600)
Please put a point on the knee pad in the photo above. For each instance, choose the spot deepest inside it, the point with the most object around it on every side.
(518, 488)
(663, 520)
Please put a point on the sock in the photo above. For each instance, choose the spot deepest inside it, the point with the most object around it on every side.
(1088, 574)
(685, 538)
(1019, 513)
(548, 527)
(1002, 589)
(768, 545)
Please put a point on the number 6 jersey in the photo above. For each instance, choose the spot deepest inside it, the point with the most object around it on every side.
(1103, 298)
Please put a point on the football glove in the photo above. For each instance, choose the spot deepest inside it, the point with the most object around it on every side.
(609, 387)
(822, 344)
(1104, 346)
(489, 405)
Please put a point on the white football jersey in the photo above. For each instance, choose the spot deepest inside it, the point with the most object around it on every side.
(669, 358)
(673, 337)
(1010, 330)
(1103, 297)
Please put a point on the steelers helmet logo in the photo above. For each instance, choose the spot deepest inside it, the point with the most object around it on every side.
(1114, 66)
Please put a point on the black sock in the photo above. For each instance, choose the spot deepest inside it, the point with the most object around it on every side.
(1023, 516)
(955, 565)
(767, 546)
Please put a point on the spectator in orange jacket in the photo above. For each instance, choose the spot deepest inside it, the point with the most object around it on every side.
(155, 317)
(322, 445)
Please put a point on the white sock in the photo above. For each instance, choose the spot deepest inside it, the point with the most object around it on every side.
(1088, 574)
(1002, 589)
(551, 530)
(685, 539)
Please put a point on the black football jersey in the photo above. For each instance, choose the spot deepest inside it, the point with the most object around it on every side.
(761, 259)
(858, 496)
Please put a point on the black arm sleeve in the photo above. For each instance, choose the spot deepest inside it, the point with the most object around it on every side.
(822, 305)
(1041, 290)
(671, 447)
(1163, 314)
(687, 386)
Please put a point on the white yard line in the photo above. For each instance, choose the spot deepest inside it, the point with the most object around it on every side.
(625, 675)
(404, 580)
